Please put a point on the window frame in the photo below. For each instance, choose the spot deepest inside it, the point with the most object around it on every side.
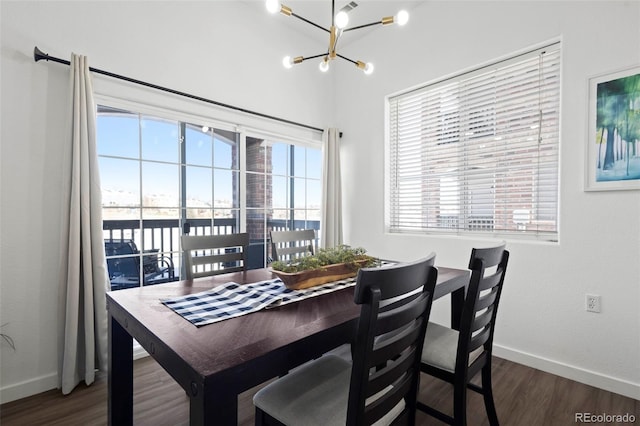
(188, 117)
(392, 224)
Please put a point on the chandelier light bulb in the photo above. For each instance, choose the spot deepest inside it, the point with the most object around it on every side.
(342, 19)
(402, 17)
(273, 6)
(324, 65)
(287, 62)
(368, 69)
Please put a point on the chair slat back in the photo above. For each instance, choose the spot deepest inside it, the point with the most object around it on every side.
(206, 255)
(288, 245)
(389, 339)
(488, 267)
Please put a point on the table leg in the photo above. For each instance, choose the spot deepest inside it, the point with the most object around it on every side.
(120, 376)
(212, 407)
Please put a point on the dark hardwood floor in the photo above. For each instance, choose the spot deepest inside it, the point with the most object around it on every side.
(524, 396)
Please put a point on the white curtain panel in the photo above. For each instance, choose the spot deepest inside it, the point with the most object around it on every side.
(83, 311)
(331, 226)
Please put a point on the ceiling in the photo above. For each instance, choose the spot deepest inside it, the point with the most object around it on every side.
(319, 12)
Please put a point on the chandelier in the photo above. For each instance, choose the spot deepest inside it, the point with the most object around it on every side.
(339, 22)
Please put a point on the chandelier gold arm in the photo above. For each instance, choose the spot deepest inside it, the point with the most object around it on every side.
(387, 20)
(332, 42)
(285, 10)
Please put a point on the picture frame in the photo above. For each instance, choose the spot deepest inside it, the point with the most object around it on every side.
(612, 161)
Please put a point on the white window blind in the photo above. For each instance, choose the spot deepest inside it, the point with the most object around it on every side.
(478, 152)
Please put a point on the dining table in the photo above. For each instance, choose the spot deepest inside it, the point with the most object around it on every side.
(214, 363)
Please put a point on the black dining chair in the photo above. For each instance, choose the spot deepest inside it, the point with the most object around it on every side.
(289, 245)
(381, 383)
(206, 255)
(457, 356)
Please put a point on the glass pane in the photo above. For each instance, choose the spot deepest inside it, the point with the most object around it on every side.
(256, 190)
(280, 220)
(314, 163)
(120, 224)
(225, 188)
(280, 192)
(280, 159)
(256, 224)
(160, 239)
(159, 267)
(223, 216)
(226, 149)
(226, 217)
(161, 229)
(197, 146)
(256, 152)
(160, 139)
(120, 181)
(175, 258)
(117, 133)
(160, 185)
(313, 219)
(299, 193)
(160, 217)
(120, 213)
(300, 215)
(124, 272)
(299, 161)
(200, 225)
(199, 213)
(199, 187)
(121, 237)
(314, 194)
(258, 235)
(226, 221)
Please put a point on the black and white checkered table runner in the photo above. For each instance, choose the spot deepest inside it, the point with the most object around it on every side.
(232, 300)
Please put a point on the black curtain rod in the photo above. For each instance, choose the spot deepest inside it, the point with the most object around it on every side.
(38, 55)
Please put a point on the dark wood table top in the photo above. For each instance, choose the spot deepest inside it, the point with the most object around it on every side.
(216, 347)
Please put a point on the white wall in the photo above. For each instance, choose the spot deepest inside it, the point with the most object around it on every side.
(542, 320)
(232, 54)
(227, 51)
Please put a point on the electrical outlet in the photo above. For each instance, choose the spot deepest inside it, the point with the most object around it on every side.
(593, 303)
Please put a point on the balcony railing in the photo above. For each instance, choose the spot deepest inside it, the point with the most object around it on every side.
(159, 240)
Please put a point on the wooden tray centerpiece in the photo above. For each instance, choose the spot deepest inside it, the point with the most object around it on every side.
(327, 265)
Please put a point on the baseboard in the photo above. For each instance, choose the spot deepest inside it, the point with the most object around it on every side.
(28, 388)
(47, 382)
(591, 378)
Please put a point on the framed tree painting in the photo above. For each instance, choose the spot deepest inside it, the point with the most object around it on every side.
(614, 131)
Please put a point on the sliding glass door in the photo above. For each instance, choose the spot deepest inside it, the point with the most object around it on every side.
(283, 189)
(162, 178)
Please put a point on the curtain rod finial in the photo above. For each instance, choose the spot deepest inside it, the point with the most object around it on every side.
(39, 54)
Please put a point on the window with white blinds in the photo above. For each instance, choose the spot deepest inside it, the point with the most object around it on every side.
(478, 152)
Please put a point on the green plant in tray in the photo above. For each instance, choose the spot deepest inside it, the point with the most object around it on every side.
(328, 256)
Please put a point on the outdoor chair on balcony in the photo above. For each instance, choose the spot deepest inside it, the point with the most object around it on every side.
(124, 272)
(206, 255)
(288, 245)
